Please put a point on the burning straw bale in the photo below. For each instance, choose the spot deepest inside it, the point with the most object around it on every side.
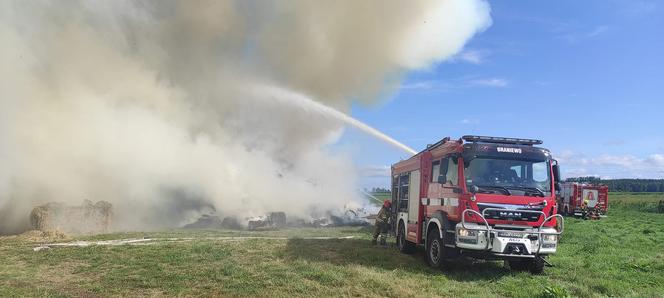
(274, 220)
(206, 221)
(87, 218)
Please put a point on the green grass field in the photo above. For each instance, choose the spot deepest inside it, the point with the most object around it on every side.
(622, 255)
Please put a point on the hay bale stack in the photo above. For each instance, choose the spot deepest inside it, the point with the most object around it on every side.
(278, 219)
(87, 218)
(42, 217)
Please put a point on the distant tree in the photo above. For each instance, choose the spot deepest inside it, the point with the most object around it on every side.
(377, 190)
(380, 189)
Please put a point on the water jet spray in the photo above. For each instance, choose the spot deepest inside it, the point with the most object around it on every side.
(307, 103)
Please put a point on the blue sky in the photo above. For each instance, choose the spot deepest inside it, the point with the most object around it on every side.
(587, 77)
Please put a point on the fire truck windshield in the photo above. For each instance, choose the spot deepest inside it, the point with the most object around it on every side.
(509, 176)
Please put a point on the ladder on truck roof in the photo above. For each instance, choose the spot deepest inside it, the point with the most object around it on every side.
(501, 140)
(434, 145)
(485, 139)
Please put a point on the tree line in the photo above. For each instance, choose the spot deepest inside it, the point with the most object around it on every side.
(624, 185)
(377, 190)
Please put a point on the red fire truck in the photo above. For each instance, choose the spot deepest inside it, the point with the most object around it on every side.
(573, 195)
(483, 197)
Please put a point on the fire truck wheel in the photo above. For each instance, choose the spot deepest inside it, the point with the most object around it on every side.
(404, 245)
(435, 250)
(517, 265)
(536, 265)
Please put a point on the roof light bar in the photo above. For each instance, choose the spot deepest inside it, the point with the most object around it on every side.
(501, 140)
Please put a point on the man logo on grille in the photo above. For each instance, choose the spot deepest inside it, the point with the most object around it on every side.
(510, 214)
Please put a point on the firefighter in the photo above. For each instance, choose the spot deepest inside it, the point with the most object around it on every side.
(382, 220)
(584, 208)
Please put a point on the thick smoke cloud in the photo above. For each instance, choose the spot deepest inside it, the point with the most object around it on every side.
(157, 106)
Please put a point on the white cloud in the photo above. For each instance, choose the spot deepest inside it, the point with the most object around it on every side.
(625, 161)
(575, 164)
(452, 84)
(376, 171)
(567, 156)
(656, 160)
(615, 142)
(639, 8)
(419, 85)
(469, 121)
(577, 34)
(489, 82)
(598, 30)
(472, 56)
(542, 83)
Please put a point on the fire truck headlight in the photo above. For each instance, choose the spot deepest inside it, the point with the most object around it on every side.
(550, 238)
(467, 233)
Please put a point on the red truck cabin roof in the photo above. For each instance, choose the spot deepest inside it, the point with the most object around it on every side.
(475, 146)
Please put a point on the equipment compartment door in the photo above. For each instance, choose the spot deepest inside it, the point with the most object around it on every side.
(591, 196)
(413, 206)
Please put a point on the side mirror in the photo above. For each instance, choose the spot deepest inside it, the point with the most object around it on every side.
(473, 189)
(556, 175)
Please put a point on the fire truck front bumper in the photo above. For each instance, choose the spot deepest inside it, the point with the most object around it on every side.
(508, 240)
(507, 243)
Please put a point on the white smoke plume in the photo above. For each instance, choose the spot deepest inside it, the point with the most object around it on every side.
(159, 107)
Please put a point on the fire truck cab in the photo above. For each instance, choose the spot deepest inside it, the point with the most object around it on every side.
(483, 197)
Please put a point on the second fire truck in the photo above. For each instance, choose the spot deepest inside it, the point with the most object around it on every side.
(483, 197)
(582, 199)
